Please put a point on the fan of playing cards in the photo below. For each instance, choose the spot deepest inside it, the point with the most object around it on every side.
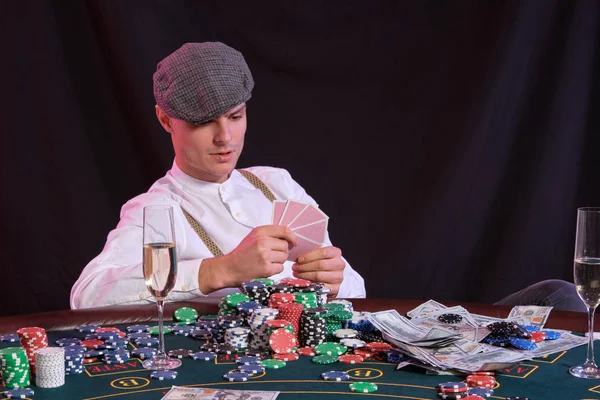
(308, 223)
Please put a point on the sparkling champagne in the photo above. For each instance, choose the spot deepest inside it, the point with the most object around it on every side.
(587, 280)
(160, 268)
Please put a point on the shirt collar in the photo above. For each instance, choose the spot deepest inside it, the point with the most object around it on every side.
(199, 186)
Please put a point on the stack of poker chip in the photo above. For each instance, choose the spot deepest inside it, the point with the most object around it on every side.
(118, 356)
(15, 367)
(277, 299)
(281, 287)
(186, 315)
(313, 327)
(51, 367)
(260, 331)
(32, 339)
(336, 317)
(323, 293)
(228, 305)
(257, 291)
(292, 312)
(226, 322)
(347, 304)
(246, 308)
(237, 337)
(307, 299)
(73, 358)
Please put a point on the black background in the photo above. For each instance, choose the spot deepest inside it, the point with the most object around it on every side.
(450, 142)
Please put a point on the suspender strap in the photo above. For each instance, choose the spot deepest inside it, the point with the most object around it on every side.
(253, 179)
(208, 242)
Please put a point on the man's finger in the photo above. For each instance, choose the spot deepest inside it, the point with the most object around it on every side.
(331, 277)
(320, 254)
(277, 231)
(331, 264)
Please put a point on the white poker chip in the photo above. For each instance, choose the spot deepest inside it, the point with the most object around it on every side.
(345, 333)
(353, 343)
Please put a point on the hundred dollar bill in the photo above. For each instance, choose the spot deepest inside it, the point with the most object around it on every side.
(187, 393)
(396, 326)
(534, 315)
(428, 307)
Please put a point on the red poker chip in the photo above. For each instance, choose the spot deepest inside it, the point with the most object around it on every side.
(378, 347)
(299, 283)
(307, 351)
(286, 356)
(350, 359)
(447, 389)
(282, 341)
(277, 323)
(489, 373)
(364, 353)
(286, 281)
(484, 381)
(90, 360)
(472, 397)
(537, 337)
(92, 344)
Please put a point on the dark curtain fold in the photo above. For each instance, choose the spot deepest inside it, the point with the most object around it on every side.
(450, 142)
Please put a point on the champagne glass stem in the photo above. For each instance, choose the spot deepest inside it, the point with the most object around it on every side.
(590, 362)
(161, 335)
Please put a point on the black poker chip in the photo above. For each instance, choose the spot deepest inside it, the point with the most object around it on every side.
(450, 318)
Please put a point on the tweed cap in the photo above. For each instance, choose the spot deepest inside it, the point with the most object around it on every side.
(200, 81)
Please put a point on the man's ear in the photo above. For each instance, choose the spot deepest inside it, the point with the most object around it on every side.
(164, 119)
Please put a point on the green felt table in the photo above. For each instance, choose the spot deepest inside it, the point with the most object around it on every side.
(546, 378)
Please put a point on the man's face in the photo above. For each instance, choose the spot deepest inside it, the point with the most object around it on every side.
(211, 150)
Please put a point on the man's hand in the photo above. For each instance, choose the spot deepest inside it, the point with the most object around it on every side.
(323, 265)
(259, 255)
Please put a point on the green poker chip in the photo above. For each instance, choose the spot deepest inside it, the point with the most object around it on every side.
(363, 387)
(153, 330)
(273, 364)
(233, 299)
(324, 359)
(186, 314)
(330, 349)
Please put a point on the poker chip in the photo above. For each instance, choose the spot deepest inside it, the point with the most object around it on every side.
(484, 381)
(330, 348)
(307, 351)
(286, 356)
(163, 375)
(537, 337)
(453, 387)
(324, 359)
(282, 341)
(10, 338)
(532, 328)
(154, 330)
(19, 393)
(345, 333)
(378, 347)
(552, 335)
(452, 396)
(450, 318)
(522, 344)
(482, 392)
(247, 360)
(137, 328)
(88, 328)
(180, 353)
(350, 359)
(364, 353)
(106, 335)
(251, 369)
(147, 342)
(203, 355)
(273, 364)
(236, 376)
(335, 376)
(483, 373)
(68, 342)
(353, 343)
(183, 330)
(186, 314)
(363, 387)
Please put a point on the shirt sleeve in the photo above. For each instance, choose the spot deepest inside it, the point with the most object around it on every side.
(115, 275)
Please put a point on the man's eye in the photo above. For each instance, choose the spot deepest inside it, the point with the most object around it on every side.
(236, 116)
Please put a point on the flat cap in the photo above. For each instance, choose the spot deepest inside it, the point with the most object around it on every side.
(200, 81)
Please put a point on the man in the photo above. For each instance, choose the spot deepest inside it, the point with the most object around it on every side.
(201, 92)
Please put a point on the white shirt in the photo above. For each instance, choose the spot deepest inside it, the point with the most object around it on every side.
(227, 211)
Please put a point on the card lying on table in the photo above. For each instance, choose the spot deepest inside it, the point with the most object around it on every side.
(308, 223)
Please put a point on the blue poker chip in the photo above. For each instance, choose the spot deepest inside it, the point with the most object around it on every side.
(147, 342)
(10, 338)
(19, 393)
(137, 328)
(138, 335)
(236, 376)
(91, 336)
(163, 375)
(452, 385)
(203, 355)
(552, 335)
(183, 330)
(532, 328)
(64, 342)
(201, 333)
(247, 360)
(107, 335)
(251, 369)
(88, 328)
(522, 344)
(144, 352)
(95, 353)
(335, 376)
(481, 392)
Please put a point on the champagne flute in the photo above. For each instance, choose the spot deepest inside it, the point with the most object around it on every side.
(587, 280)
(160, 272)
